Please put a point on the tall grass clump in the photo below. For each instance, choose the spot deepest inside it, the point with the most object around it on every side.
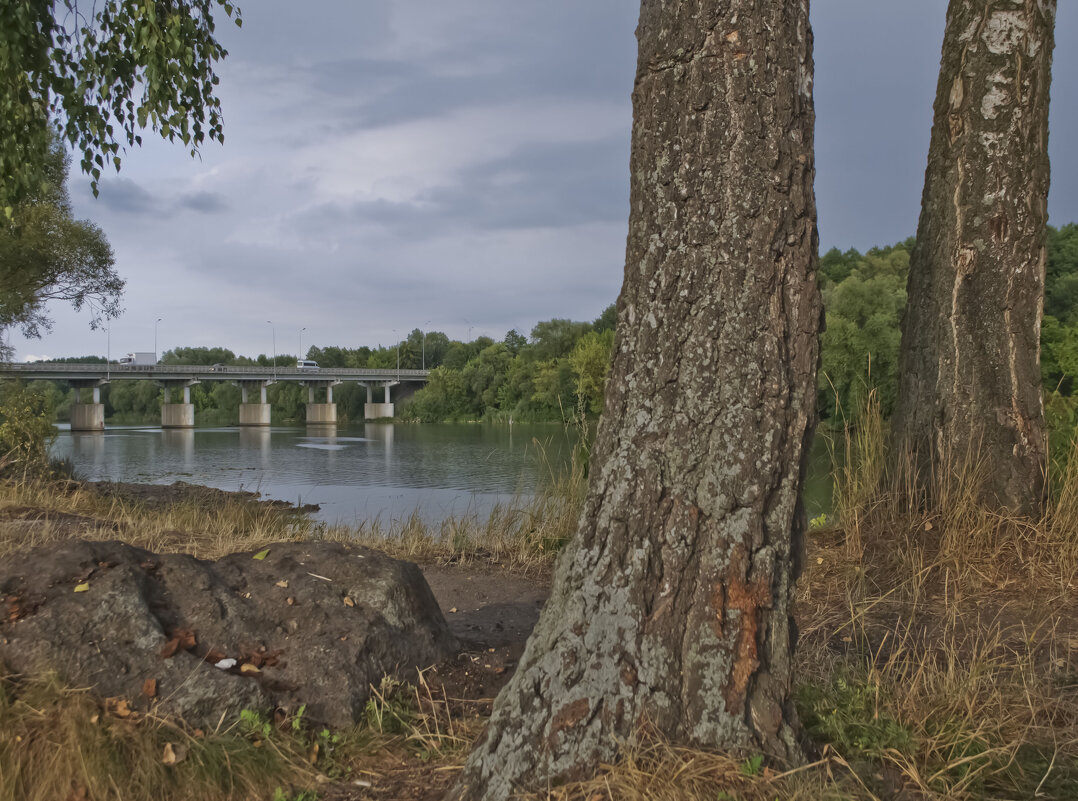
(524, 535)
(940, 637)
(858, 468)
(36, 510)
(59, 743)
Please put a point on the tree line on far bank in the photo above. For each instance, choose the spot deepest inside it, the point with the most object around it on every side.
(559, 371)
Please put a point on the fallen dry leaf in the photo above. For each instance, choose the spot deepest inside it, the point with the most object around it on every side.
(283, 584)
(169, 649)
(261, 555)
(149, 688)
(248, 669)
(290, 600)
(173, 754)
(15, 609)
(453, 609)
(186, 638)
(348, 601)
(118, 706)
(84, 587)
(213, 655)
(272, 658)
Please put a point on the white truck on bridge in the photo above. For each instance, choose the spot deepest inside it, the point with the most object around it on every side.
(140, 359)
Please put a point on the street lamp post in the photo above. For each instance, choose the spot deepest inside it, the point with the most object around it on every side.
(301, 356)
(398, 354)
(273, 328)
(159, 319)
(425, 344)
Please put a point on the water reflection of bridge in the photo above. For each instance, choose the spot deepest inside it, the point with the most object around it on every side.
(180, 378)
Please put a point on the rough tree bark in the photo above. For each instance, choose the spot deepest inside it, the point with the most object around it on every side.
(969, 387)
(671, 606)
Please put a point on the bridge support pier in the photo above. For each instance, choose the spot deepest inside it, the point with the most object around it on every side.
(178, 415)
(254, 414)
(88, 416)
(373, 411)
(321, 414)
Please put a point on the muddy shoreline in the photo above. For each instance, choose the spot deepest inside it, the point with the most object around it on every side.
(158, 495)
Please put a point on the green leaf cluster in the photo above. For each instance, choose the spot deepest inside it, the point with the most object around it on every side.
(851, 714)
(864, 297)
(101, 73)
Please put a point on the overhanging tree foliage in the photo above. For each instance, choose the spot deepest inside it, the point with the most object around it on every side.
(969, 387)
(102, 72)
(671, 605)
(48, 255)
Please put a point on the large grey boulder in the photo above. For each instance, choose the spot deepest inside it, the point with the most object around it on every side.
(313, 623)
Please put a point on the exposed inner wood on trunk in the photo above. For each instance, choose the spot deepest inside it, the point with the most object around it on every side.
(969, 391)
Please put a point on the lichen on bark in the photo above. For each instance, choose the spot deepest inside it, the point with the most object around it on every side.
(671, 606)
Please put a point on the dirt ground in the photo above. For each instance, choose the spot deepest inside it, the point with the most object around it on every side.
(492, 612)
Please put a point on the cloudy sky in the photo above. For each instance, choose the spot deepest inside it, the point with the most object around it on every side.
(463, 166)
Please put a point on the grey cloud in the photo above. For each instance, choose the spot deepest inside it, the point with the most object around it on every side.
(124, 196)
(203, 202)
(545, 186)
(542, 186)
(563, 48)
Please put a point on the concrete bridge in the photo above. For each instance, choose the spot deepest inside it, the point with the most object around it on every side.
(180, 378)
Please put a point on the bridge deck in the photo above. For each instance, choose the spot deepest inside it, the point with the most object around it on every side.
(173, 372)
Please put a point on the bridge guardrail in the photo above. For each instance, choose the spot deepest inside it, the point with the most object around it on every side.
(200, 371)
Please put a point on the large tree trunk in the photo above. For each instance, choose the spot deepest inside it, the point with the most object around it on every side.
(969, 391)
(671, 605)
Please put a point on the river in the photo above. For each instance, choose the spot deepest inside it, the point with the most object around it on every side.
(355, 474)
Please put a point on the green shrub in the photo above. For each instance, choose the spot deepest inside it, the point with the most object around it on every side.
(26, 429)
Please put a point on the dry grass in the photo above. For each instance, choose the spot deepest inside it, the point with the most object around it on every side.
(62, 744)
(938, 652)
(524, 536)
(58, 744)
(208, 525)
(940, 647)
